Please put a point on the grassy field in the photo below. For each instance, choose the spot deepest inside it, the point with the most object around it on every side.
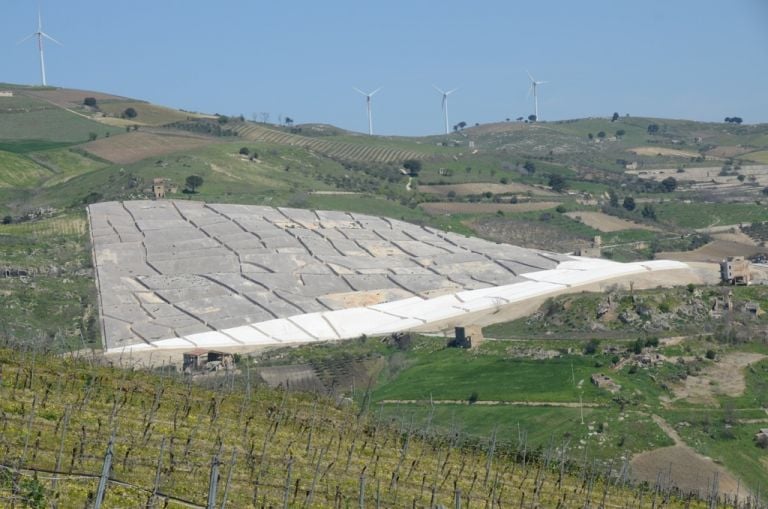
(19, 171)
(148, 114)
(55, 125)
(702, 215)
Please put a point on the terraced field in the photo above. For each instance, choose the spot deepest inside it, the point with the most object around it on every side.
(334, 149)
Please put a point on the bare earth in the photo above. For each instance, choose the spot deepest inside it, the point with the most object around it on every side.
(606, 223)
(135, 146)
(485, 208)
(725, 377)
(482, 187)
(715, 251)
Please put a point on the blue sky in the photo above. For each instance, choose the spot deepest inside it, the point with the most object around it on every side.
(697, 59)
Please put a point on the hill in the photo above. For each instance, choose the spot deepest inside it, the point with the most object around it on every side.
(154, 439)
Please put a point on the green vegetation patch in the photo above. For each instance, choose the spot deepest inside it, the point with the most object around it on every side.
(17, 170)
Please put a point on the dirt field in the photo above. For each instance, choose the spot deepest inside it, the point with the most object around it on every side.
(135, 146)
(713, 252)
(482, 187)
(606, 223)
(725, 377)
(688, 470)
(671, 152)
(485, 208)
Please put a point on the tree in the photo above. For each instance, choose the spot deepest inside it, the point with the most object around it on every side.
(90, 101)
(620, 133)
(590, 348)
(590, 136)
(7, 219)
(669, 184)
(130, 113)
(601, 134)
(613, 198)
(615, 117)
(648, 212)
(734, 120)
(193, 182)
(288, 121)
(462, 124)
(244, 151)
(529, 167)
(531, 118)
(92, 136)
(710, 354)
(653, 128)
(413, 166)
(472, 399)
(557, 183)
(629, 203)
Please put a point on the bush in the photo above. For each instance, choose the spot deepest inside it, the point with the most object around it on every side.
(90, 101)
(710, 354)
(130, 113)
(590, 348)
(560, 209)
(472, 399)
(244, 151)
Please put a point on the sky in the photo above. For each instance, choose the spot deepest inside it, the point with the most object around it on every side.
(694, 59)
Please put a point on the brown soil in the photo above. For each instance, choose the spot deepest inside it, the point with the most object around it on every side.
(135, 146)
(713, 252)
(483, 187)
(606, 223)
(690, 471)
(485, 208)
(725, 377)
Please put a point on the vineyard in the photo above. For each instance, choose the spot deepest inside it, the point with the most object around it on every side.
(76, 434)
(334, 149)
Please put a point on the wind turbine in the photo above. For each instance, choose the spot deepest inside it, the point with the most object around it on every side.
(368, 104)
(445, 105)
(40, 36)
(534, 85)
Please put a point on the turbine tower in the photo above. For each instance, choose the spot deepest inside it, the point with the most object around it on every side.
(40, 35)
(368, 105)
(534, 85)
(445, 106)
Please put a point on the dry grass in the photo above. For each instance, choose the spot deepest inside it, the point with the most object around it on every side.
(485, 208)
(483, 187)
(135, 146)
(662, 151)
(725, 377)
(607, 223)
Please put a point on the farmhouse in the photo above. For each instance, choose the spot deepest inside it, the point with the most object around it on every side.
(735, 270)
(6, 93)
(163, 186)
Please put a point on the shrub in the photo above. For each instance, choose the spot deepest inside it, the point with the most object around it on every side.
(472, 399)
(90, 101)
(560, 209)
(710, 354)
(590, 348)
(130, 113)
(244, 151)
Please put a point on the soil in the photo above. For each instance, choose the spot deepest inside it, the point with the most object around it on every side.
(725, 377)
(654, 151)
(714, 252)
(607, 223)
(132, 147)
(485, 208)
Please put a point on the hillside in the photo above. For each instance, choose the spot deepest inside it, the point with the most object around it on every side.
(178, 445)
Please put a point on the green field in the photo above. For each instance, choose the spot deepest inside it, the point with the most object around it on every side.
(56, 125)
(19, 171)
(702, 215)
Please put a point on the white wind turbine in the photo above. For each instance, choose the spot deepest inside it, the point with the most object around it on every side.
(368, 105)
(445, 106)
(40, 35)
(534, 86)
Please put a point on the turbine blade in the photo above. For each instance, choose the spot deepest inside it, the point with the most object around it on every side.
(438, 89)
(359, 91)
(371, 94)
(27, 38)
(529, 75)
(451, 91)
(541, 82)
(50, 38)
